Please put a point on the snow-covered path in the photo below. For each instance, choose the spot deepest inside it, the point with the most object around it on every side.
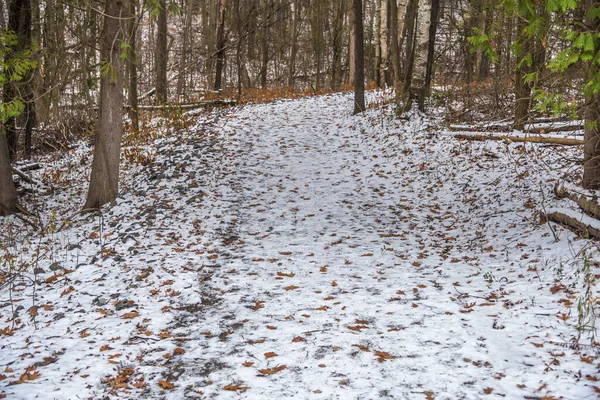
(328, 256)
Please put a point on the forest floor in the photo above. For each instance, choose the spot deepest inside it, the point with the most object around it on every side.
(291, 250)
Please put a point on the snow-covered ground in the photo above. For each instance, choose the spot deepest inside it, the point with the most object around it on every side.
(291, 250)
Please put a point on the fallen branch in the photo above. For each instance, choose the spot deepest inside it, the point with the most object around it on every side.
(581, 226)
(532, 128)
(590, 206)
(191, 106)
(37, 186)
(531, 139)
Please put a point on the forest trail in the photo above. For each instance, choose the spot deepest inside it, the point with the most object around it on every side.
(301, 252)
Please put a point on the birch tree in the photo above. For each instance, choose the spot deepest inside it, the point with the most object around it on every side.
(418, 80)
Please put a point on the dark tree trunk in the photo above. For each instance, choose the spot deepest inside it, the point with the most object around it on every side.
(161, 55)
(409, 26)
(220, 45)
(435, 18)
(338, 26)
(591, 148)
(8, 192)
(132, 65)
(359, 59)
(19, 21)
(104, 181)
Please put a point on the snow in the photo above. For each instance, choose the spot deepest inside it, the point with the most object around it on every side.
(291, 250)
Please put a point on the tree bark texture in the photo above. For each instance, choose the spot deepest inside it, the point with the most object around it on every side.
(220, 45)
(104, 180)
(359, 59)
(132, 64)
(418, 82)
(591, 149)
(384, 39)
(161, 54)
(19, 21)
(8, 192)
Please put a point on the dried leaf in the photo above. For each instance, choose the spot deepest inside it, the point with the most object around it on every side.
(131, 315)
(270, 354)
(272, 371)
(166, 384)
(235, 387)
(382, 356)
(67, 291)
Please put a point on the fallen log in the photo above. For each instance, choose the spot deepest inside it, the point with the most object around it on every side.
(532, 128)
(582, 224)
(590, 206)
(530, 139)
(191, 106)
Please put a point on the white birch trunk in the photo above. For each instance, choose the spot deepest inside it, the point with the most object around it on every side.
(384, 37)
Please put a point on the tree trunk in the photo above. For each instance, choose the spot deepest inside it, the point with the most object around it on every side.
(181, 80)
(351, 47)
(435, 15)
(409, 26)
(19, 21)
(384, 40)
(295, 11)
(418, 82)
(395, 44)
(220, 45)
(265, 46)
(132, 65)
(338, 26)
(359, 59)
(377, 42)
(104, 180)
(591, 148)
(161, 54)
(8, 193)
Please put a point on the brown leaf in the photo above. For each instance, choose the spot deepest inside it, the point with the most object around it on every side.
(288, 274)
(358, 327)
(272, 371)
(488, 390)
(291, 287)
(382, 356)
(131, 315)
(270, 354)
(29, 376)
(235, 387)
(33, 311)
(67, 291)
(361, 347)
(179, 351)
(248, 364)
(166, 384)
(105, 348)
(298, 339)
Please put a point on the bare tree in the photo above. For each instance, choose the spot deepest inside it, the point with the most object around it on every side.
(104, 181)
(161, 54)
(418, 81)
(359, 59)
(8, 193)
(220, 45)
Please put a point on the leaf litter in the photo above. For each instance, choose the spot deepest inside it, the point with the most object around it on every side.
(438, 279)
